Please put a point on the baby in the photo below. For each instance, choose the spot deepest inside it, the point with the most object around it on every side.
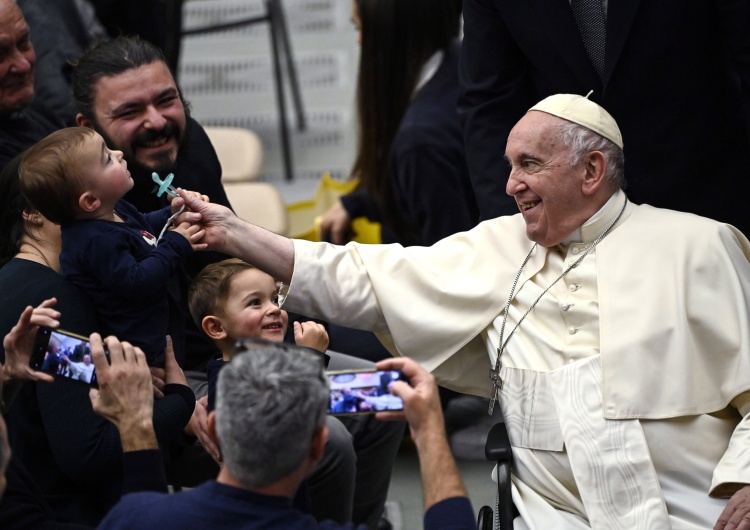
(108, 247)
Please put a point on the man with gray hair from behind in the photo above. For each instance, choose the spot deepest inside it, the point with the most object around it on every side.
(270, 415)
(271, 404)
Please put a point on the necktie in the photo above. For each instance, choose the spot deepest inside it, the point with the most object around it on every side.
(589, 15)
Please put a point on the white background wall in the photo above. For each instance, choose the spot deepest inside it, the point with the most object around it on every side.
(228, 78)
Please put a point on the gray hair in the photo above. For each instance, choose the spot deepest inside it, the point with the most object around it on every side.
(270, 402)
(582, 141)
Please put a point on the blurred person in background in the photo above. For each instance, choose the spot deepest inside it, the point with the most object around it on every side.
(410, 161)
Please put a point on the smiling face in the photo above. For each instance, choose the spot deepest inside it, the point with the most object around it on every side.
(17, 59)
(141, 113)
(551, 192)
(252, 308)
(106, 172)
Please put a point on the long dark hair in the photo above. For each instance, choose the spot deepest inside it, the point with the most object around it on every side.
(12, 205)
(397, 37)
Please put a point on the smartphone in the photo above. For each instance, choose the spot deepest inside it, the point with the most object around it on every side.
(363, 391)
(65, 355)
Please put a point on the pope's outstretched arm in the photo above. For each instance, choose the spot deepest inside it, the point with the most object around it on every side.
(225, 232)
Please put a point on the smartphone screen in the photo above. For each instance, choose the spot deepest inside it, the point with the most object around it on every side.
(64, 354)
(363, 392)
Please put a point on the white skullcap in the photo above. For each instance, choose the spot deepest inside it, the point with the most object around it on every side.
(584, 112)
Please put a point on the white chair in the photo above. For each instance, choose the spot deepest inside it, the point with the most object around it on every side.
(241, 155)
(240, 152)
(259, 203)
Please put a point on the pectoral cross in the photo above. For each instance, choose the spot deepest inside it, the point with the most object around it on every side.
(497, 382)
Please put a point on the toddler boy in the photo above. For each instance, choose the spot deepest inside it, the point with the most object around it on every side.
(232, 299)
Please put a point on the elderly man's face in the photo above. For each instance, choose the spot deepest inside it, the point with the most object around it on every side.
(547, 188)
(17, 59)
(140, 113)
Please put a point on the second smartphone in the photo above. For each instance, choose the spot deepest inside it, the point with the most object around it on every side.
(363, 391)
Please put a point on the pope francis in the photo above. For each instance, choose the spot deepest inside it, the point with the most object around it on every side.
(615, 336)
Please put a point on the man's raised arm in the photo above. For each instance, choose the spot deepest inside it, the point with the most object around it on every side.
(446, 502)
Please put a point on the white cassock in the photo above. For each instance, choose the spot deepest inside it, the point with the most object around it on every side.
(81, 371)
(626, 387)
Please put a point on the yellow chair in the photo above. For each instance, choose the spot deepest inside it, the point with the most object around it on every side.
(304, 216)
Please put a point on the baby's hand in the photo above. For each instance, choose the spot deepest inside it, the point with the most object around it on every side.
(312, 335)
(195, 194)
(193, 233)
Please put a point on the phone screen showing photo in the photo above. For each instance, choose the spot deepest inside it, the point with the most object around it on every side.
(65, 355)
(363, 392)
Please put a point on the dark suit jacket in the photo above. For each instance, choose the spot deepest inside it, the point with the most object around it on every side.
(677, 81)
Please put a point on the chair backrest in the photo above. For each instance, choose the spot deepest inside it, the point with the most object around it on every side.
(498, 449)
(240, 152)
(259, 203)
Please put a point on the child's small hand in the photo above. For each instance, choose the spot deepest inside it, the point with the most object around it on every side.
(311, 334)
(194, 194)
(193, 233)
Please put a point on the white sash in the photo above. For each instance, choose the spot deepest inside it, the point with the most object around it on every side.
(609, 458)
(529, 410)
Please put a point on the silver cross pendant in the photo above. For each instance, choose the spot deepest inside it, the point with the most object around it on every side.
(497, 386)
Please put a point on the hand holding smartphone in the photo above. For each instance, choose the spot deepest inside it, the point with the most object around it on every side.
(19, 342)
(363, 391)
(64, 354)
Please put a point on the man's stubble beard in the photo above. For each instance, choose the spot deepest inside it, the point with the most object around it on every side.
(141, 173)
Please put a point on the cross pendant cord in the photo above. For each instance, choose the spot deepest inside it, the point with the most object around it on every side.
(497, 382)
